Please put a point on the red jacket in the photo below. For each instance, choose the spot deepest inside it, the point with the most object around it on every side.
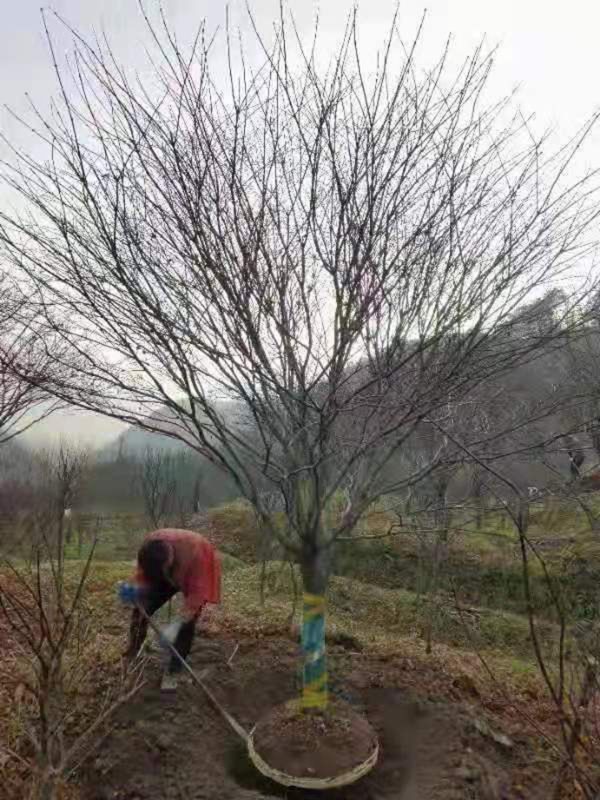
(196, 567)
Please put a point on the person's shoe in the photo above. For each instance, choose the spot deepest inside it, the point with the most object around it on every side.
(168, 683)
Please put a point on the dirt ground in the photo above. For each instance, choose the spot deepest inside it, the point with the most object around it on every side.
(432, 746)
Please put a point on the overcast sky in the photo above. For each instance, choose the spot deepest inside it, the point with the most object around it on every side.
(548, 48)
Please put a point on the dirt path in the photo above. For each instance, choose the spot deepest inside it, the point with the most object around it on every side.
(178, 748)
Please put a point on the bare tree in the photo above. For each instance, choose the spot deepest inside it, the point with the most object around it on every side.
(191, 480)
(583, 375)
(64, 470)
(170, 483)
(157, 481)
(19, 473)
(571, 679)
(196, 492)
(41, 486)
(298, 269)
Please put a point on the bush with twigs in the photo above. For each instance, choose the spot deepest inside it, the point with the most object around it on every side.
(61, 680)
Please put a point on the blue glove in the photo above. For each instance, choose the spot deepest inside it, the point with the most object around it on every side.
(129, 593)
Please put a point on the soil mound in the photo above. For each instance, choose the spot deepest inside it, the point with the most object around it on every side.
(313, 744)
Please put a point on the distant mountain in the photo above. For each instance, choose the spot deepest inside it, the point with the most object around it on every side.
(133, 440)
(200, 483)
(73, 425)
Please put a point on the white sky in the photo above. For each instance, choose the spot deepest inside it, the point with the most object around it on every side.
(548, 48)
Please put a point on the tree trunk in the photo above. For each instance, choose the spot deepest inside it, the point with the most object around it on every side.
(315, 575)
(196, 493)
(60, 547)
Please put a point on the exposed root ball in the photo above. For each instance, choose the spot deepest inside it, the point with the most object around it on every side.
(318, 750)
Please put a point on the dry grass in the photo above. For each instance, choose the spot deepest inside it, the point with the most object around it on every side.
(385, 620)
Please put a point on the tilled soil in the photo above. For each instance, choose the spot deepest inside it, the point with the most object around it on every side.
(178, 747)
(315, 745)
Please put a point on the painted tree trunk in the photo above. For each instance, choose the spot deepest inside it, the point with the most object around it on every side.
(315, 562)
(314, 668)
(314, 664)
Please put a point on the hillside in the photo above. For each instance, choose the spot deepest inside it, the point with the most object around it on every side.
(526, 393)
(417, 657)
(133, 441)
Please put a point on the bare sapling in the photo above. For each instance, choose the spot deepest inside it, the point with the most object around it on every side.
(56, 667)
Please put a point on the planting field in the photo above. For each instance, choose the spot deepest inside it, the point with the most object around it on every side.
(447, 677)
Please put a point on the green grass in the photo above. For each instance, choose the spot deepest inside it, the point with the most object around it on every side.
(376, 596)
(378, 586)
(378, 619)
(370, 614)
(381, 619)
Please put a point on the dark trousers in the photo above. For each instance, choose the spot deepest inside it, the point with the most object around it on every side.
(154, 598)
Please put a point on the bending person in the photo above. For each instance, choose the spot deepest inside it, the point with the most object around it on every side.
(170, 561)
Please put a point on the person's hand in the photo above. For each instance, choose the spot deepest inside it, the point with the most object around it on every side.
(129, 593)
